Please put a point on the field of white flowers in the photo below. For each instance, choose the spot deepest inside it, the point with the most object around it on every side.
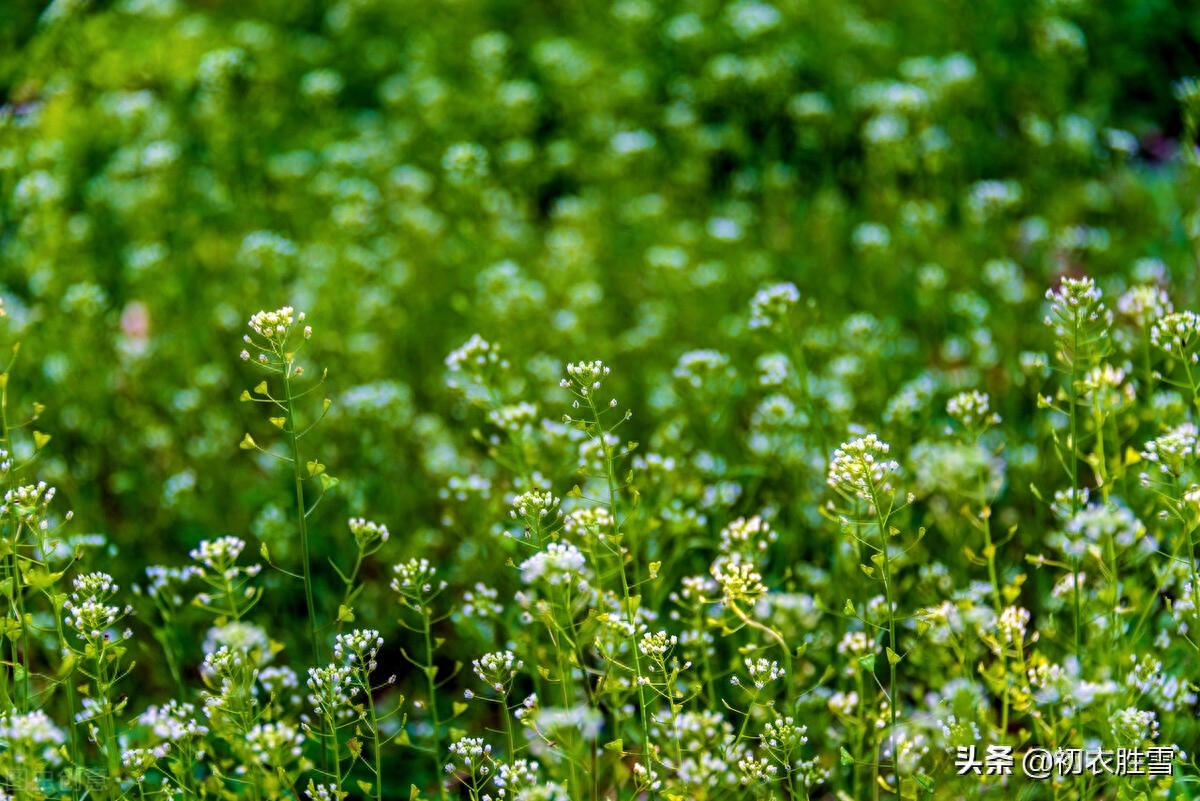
(556, 401)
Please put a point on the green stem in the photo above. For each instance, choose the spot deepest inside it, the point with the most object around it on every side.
(375, 749)
(611, 478)
(301, 514)
(433, 708)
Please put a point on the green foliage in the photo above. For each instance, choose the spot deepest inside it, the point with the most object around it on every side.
(831, 503)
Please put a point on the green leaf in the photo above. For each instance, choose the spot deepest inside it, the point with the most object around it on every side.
(39, 579)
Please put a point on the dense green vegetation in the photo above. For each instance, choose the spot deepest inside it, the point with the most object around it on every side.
(891, 437)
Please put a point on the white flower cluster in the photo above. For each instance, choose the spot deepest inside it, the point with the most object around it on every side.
(1175, 450)
(657, 645)
(972, 410)
(280, 681)
(585, 377)
(986, 199)
(533, 506)
(739, 580)
(514, 417)
(1145, 304)
(481, 602)
(358, 647)
(165, 580)
(861, 468)
(747, 535)
(698, 367)
(763, 671)
(475, 356)
(472, 754)
(332, 688)
(219, 555)
(275, 744)
(1178, 333)
(498, 669)
(560, 563)
(240, 636)
(274, 326)
(593, 521)
(88, 611)
(1135, 725)
(416, 580)
(770, 305)
(173, 722)
(1013, 622)
(33, 731)
(138, 761)
(783, 733)
(323, 792)
(29, 503)
(367, 533)
(1074, 304)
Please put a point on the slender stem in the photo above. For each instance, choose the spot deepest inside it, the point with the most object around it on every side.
(433, 708)
(881, 520)
(301, 514)
(375, 749)
(611, 478)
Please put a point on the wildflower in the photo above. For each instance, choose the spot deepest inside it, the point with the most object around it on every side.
(972, 411)
(770, 305)
(561, 563)
(1178, 334)
(1145, 304)
(753, 534)
(416, 581)
(475, 357)
(367, 533)
(331, 687)
(1174, 451)
(1136, 726)
(275, 744)
(763, 671)
(497, 670)
(738, 580)
(33, 734)
(860, 468)
(1013, 621)
(359, 647)
(700, 368)
(275, 326)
